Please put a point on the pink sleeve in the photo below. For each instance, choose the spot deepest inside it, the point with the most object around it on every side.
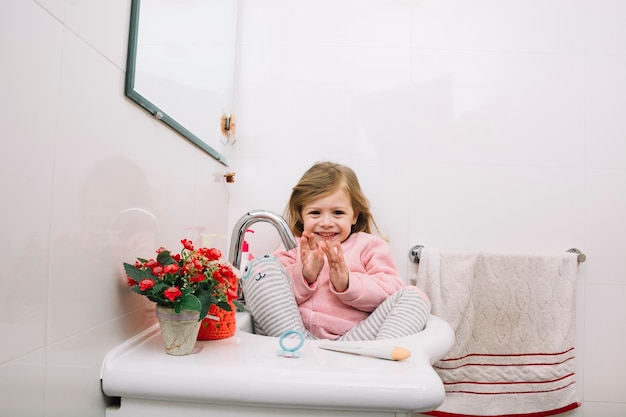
(291, 261)
(373, 274)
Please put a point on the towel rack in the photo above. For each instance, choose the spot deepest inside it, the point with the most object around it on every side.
(416, 251)
(581, 256)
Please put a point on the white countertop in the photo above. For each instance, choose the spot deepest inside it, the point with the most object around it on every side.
(246, 369)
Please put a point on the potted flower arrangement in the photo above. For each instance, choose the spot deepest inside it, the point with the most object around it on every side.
(185, 286)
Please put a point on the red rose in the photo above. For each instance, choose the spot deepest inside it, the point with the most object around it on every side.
(218, 276)
(187, 244)
(146, 284)
(197, 278)
(224, 274)
(172, 293)
(212, 254)
(170, 269)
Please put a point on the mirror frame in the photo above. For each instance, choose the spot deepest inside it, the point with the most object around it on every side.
(153, 109)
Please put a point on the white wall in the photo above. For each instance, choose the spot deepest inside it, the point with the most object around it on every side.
(481, 125)
(493, 125)
(76, 155)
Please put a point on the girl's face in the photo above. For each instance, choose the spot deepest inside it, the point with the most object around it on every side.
(330, 217)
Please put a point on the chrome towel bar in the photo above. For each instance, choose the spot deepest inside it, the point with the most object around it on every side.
(416, 251)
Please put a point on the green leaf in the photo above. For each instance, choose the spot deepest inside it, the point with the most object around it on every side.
(206, 299)
(159, 287)
(224, 305)
(187, 290)
(240, 306)
(189, 302)
(136, 273)
(165, 258)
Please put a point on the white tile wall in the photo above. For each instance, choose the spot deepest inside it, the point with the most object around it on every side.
(493, 125)
(504, 108)
(604, 31)
(606, 207)
(605, 97)
(604, 380)
(483, 125)
(26, 209)
(532, 26)
(90, 181)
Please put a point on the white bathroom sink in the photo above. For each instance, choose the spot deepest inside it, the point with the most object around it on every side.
(244, 322)
(244, 376)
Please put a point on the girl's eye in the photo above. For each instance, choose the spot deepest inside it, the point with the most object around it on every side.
(339, 213)
(313, 213)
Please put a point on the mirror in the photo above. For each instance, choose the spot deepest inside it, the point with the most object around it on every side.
(180, 66)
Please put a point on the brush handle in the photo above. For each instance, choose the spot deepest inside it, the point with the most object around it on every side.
(392, 353)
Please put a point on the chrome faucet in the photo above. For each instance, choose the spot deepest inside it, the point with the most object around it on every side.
(239, 231)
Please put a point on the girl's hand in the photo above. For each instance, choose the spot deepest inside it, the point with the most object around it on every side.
(338, 270)
(312, 257)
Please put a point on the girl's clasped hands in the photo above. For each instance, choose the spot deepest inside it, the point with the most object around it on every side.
(313, 251)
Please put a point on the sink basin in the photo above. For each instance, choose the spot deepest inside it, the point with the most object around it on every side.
(244, 376)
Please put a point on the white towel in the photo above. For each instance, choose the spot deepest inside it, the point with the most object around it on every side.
(514, 320)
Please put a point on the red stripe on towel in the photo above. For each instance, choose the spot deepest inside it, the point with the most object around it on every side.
(508, 382)
(505, 364)
(506, 355)
(568, 407)
(509, 392)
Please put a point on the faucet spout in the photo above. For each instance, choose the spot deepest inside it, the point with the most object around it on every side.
(237, 237)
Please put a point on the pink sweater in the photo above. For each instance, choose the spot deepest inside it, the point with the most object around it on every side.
(328, 314)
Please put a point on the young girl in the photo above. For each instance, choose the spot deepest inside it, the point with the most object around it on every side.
(341, 282)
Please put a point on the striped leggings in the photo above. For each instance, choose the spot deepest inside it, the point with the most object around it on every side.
(268, 292)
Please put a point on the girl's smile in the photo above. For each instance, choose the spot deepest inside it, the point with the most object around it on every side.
(330, 217)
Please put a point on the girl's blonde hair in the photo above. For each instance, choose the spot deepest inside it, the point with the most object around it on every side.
(320, 180)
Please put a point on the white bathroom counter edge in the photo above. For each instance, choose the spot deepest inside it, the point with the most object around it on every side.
(246, 369)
